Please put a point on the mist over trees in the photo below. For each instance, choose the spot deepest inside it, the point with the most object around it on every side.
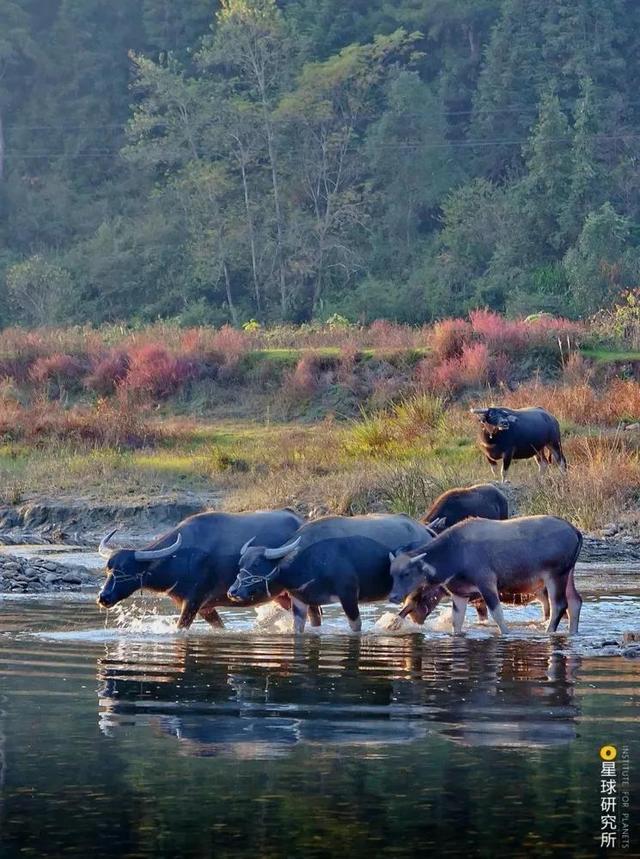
(217, 162)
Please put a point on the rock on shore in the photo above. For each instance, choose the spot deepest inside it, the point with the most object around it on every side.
(37, 575)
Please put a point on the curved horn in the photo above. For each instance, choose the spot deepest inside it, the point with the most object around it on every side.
(246, 546)
(156, 554)
(281, 551)
(478, 411)
(392, 557)
(103, 551)
(431, 531)
(418, 557)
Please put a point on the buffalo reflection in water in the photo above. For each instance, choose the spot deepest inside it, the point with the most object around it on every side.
(260, 697)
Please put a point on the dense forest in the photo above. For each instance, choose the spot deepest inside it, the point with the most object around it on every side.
(409, 159)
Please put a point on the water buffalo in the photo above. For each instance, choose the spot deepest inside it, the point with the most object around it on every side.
(419, 604)
(484, 557)
(484, 500)
(195, 562)
(507, 434)
(341, 559)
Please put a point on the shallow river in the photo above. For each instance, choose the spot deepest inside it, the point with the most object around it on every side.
(129, 740)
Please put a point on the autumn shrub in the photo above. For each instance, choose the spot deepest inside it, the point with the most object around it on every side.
(447, 338)
(58, 371)
(108, 424)
(108, 370)
(156, 374)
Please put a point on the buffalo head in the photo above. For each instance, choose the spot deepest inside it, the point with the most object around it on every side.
(495, 418)
(259, 569)
(409, 571)
(127, 568)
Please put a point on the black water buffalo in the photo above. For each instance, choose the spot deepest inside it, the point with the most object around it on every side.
(194, 563)
(483, 500)
(507, 434)
(483, 557)
(334, 559)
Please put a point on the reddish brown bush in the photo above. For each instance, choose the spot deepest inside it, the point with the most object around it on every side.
(448, 338)
(156, 374)
(63, 370)
(108, 370)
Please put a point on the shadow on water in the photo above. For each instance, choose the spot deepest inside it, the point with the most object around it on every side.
(262, 697)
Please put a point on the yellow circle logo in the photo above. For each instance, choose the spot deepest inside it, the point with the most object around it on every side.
(608, 753)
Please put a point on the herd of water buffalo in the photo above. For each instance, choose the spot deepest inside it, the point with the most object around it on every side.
(465, 547)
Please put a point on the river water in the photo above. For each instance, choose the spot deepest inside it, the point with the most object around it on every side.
(129, 740)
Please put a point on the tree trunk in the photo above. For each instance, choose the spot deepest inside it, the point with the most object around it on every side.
(1, 148)
(227, 283)
(276, 204)
(252, 241)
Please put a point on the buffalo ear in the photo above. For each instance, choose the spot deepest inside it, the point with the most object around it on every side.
(425, 567)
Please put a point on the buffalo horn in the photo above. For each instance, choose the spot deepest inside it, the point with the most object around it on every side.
(418, 557)
(246, 546)
(392, 557)
(478, 411)
(103, 551)
(281, 551)
(156, 554)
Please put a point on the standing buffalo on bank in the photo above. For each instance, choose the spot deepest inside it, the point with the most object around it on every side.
(484, 500)
(480, 557)
(507, 434)
(196, 562)
(334, 559)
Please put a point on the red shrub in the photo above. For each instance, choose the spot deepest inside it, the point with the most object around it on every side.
(60, 369)
(384, 334)
(107, 372)
(475, 364)
(448, 338)
(154, 373)
(442, 379)
(500, 333)
(231, 343)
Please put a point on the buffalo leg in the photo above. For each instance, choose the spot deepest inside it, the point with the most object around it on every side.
(490, 596)
(556, 588)
(574, 602)
(481, 608)
(212, 617)
(493, 463)
(284, 601)
(558, 455)
(459, 609)
(349, 603)
(546, 608)
(314, 613)
(188, 613)
(506, 462)
(541, 459)
(299, 611)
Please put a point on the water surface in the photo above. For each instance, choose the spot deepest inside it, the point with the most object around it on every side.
(135, 741)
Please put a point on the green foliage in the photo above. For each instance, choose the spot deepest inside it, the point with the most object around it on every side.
(288, 160)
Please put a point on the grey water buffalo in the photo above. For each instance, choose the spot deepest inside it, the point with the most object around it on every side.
(483, 500)
(194, 563)
(482, 557)
(508, 434)
(341, 559)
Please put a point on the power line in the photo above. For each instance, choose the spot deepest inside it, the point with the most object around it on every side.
(410, 144)
(533, 108)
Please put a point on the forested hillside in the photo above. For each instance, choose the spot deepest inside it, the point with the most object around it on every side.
(410, 159)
